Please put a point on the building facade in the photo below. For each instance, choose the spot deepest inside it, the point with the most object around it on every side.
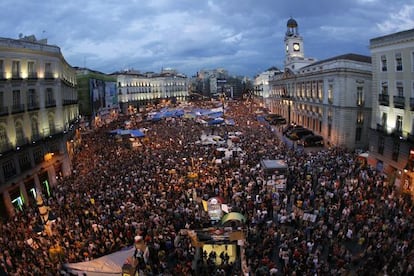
(38, 110)
(217, 83)
(262, 85)
(136, 90)
(331, 97)
(98, 96)
(392, 127)
(295, 51)
(261, 82)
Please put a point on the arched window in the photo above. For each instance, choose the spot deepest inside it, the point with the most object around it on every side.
(51, 120)
(19, 133)
(35, 129)
(4, 140)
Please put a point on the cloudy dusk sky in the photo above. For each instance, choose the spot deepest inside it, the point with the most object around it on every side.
(245, 37)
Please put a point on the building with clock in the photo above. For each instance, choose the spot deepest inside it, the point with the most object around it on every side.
(295, 54)
(331, 97)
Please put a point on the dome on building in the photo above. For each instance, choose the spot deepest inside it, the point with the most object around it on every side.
(292, 23)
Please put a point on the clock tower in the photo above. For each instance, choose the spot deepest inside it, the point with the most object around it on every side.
(294, 53)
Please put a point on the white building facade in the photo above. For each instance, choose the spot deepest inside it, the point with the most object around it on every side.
(261, 84)
(392, 126)
(38, 107)
(136, 89)
(331, 97)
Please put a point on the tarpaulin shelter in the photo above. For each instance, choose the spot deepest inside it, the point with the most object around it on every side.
(109, 265)
(216, 121)
(167, 113)
(137, 133)
(271, 167)
(131, 132)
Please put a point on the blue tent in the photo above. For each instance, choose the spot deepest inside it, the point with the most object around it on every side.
(215, 114)
(136, 133)
(132, 132)
(118, 131)
(216, 121)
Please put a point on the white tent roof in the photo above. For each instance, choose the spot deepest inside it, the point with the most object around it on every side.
(107, 265)
(274, 164)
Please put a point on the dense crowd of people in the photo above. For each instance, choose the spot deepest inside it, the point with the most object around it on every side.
(361, 224)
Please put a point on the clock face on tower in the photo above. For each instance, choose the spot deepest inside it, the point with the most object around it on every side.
(296, 47)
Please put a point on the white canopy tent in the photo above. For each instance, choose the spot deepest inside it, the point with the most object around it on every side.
(109, 265)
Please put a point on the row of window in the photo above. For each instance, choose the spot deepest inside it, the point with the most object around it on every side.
(137, 97)
(31, 97)
(152, 84)
(395, 147)
(30, 71)
(315, 90)
(399, 88)
(21, 138)
(398, 62)
(149, 90)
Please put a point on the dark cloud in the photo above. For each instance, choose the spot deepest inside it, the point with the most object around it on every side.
(244, 37)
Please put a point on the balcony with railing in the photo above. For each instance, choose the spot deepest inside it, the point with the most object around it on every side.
(9, 173)
(70, 102)
(412, 104)
(33, 106)
(399, 102)
(5, 146)
(17, 76)
(36, 137)
(20, 141)
(17, 108)
(4, 110)
(49, 76)
(360, 102)
(50, 103)
(384, 99)
(25, 165)
(32, 76)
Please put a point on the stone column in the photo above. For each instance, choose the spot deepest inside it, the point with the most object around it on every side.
(7, 202)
